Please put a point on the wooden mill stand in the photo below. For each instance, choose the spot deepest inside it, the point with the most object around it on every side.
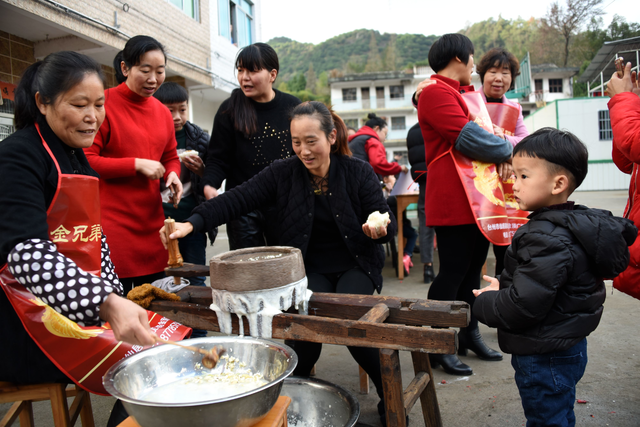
(390, 324)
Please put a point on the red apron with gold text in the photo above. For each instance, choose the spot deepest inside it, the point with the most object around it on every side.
(483, 186)
(84, 354)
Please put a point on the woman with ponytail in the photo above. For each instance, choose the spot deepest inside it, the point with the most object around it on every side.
(323, 198)
(134, 149)
(250, 131)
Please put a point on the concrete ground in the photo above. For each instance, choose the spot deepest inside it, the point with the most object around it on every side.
(489, 397)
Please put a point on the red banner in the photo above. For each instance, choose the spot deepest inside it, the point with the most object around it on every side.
(478, 112)
(504, 116)
(491, 200)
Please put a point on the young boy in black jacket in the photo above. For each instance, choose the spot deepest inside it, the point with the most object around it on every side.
(549, 296)
(192, 149)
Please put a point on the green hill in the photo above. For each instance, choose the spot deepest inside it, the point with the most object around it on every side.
(351, 52)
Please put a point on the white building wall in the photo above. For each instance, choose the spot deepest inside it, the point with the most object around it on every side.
(201, 110)
(543, 117)
(580, 117)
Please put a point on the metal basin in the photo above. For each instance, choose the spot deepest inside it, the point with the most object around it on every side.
(318, 403)
(135, 376)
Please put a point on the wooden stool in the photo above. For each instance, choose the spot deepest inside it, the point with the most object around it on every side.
(25, 395)
(276, 417)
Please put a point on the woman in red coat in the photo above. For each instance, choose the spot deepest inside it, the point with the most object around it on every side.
(444, 120)
(624, 111)
(135, 147)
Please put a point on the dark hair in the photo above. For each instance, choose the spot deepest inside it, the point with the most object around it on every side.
(255, 57)
(448, 47)
(350, 128)
(133, 51)
(375, 121)
(499, 57)
(562, 149)
(51, 77)
(329, 121)
(171, 93)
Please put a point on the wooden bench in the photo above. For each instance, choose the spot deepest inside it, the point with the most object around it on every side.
(389, 324)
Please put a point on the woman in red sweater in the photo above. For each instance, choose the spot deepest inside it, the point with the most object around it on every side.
(444, 120)
(134, 148)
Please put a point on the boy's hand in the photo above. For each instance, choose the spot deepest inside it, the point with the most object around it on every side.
(194, 164)
(494, 285)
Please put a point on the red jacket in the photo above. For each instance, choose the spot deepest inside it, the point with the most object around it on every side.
(624, 110)
(442, 113)
(377, 154)
(130, 203)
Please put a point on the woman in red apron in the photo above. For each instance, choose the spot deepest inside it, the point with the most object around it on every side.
(58, 282)
(462, 247)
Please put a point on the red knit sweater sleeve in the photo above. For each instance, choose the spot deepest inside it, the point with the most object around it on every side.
(378, 158)
(108, 167)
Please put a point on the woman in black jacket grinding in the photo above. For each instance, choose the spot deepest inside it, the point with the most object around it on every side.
(323, 197)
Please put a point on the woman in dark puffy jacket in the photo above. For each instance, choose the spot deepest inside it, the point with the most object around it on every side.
(323, 198)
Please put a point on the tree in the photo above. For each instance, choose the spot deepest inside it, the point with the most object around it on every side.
(568, 20)
(390, 55)
(297, 83)
(311, 79)
(322, 85)
(374, 61)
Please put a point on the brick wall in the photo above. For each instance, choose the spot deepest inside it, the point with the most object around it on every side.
(183, 36)
(16, 55)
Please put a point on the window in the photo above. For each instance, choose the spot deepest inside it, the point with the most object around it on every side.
(380, 93)
(190, 7)
(349, 94)
(366, 98)
(351, 123)
(555, 85)
(235, 19)
(398, 123)
(604, 126)
(538, 83)
(396, 92)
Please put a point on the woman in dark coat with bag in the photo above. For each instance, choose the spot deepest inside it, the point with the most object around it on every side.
(322, 197)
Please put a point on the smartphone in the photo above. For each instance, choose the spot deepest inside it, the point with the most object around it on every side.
(620, 66)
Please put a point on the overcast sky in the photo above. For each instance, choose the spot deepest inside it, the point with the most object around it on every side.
(318, 20)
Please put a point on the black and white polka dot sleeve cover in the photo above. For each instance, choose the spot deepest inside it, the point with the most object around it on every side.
(58, 281)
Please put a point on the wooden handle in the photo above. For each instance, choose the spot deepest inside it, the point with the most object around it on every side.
(175, 259)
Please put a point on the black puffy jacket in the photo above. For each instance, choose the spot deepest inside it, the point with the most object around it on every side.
(354, 193)
(552, 289)
(198, 140)
(415, 148)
